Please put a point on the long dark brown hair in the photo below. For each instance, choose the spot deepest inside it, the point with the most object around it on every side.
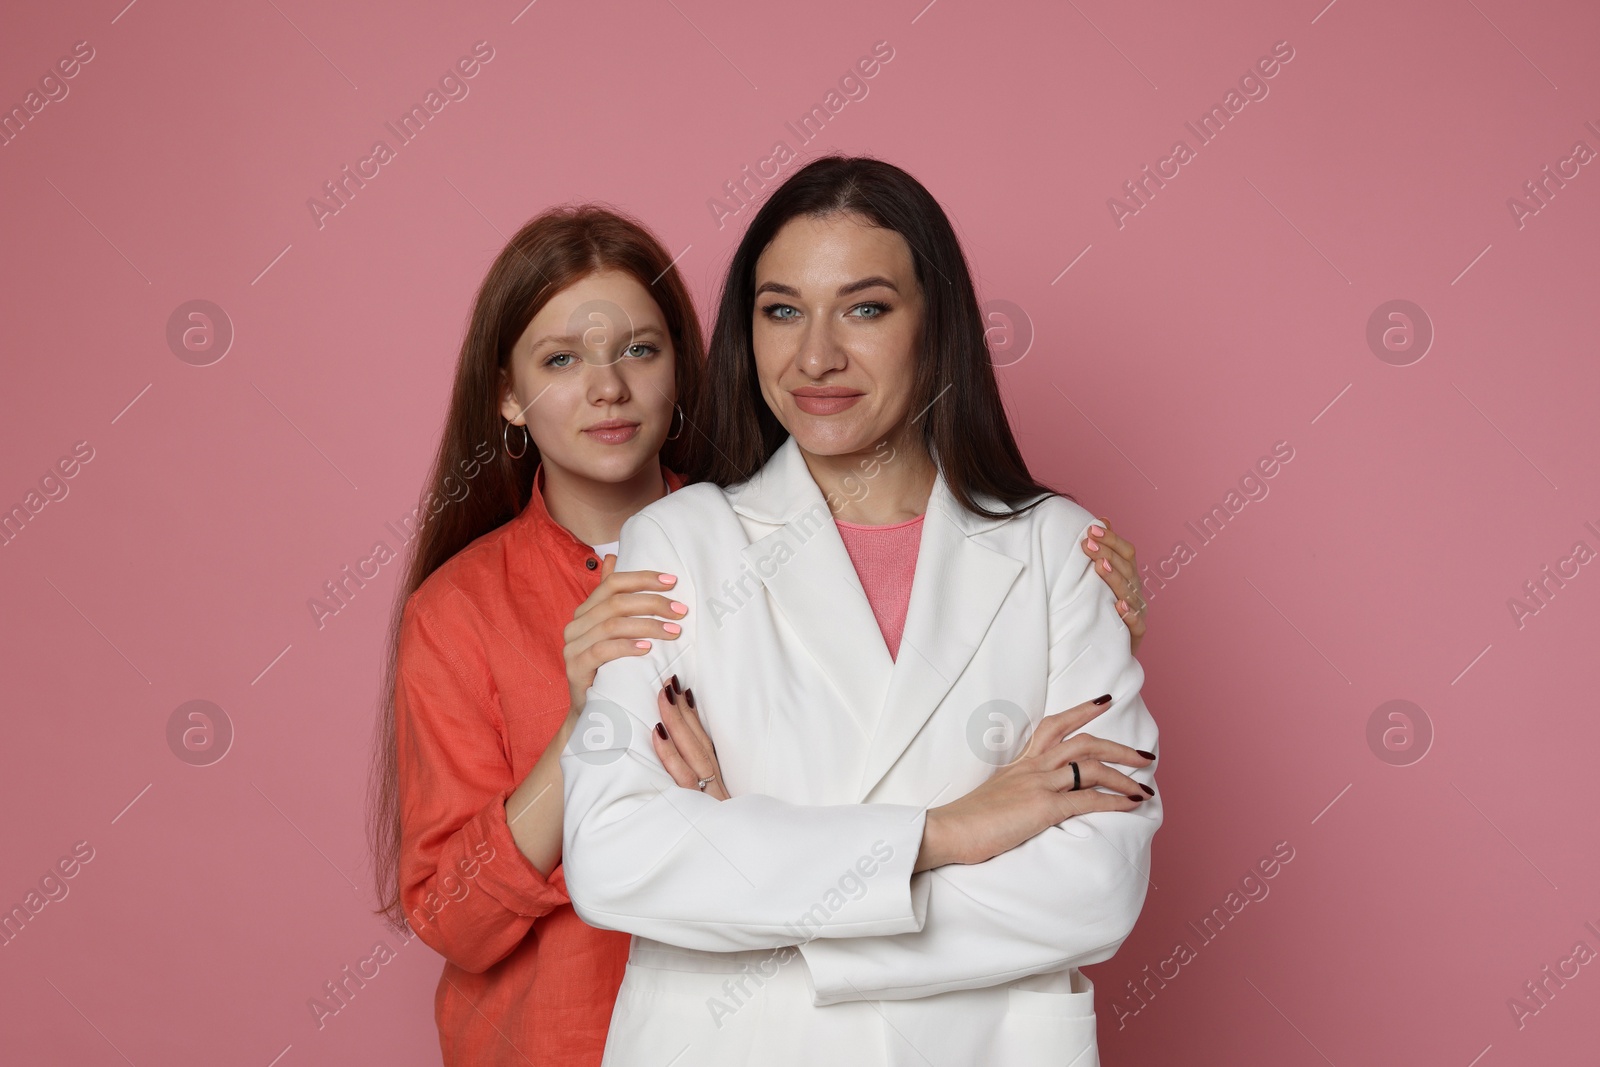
(963, 423)
(558, 248)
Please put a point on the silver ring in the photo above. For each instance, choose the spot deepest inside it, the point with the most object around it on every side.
(703, 782)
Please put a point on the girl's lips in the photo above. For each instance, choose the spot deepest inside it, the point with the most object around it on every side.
(824, 405)
(613, 435)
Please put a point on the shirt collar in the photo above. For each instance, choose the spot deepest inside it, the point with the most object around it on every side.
(537, 520)
(783, 489)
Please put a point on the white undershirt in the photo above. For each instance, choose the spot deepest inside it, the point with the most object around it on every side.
(610, 548)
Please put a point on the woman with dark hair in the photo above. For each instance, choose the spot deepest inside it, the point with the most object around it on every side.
(904, 843)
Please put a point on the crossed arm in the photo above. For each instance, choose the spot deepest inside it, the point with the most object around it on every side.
(682, 867)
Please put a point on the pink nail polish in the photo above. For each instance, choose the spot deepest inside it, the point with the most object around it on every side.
(641, 644)
(666, 579)
(681, 609)
(1098, 531)
(672, 628)
(1105, 565)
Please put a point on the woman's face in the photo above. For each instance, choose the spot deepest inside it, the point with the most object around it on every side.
(836, 331)
(592, 379)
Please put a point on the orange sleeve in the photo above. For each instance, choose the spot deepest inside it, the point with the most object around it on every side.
(466, 888)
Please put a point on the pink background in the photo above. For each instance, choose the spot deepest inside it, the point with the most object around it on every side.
(1230, 313)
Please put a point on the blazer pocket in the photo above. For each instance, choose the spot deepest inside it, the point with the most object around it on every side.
(1050, 1022)
(1063, 994)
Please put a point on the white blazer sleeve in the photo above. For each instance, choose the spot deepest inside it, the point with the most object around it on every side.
(671, 864)
(1068, 896)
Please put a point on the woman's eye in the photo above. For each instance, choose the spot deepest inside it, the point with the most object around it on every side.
(780, 312)
(871, 310)
(640, 349)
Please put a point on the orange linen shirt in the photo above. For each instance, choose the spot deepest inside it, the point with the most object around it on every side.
(480, 693)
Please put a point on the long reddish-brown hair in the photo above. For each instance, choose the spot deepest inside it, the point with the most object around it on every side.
(558, 248)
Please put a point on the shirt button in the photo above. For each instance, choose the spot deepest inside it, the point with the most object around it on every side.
(591, 563)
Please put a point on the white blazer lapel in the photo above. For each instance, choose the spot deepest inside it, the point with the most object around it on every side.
(956, 592)
(808, 574)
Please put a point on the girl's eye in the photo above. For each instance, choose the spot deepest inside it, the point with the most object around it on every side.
(639, 349)
(780, 312)
(559, 359)
(874, 307)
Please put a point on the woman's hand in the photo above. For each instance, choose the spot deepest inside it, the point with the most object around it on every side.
(681, 742)
(616, 621)
(1035, 791)
(1115, 563)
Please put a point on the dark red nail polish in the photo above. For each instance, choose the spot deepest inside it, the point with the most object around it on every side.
(1103, 700)
(661, 731)
(1135, 796)
(672, 698)
(688, 695)
(675, 684)
(1146, 755)
(1147, 789)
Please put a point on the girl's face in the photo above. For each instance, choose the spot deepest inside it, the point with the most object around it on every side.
(592, 378)
(836, 331)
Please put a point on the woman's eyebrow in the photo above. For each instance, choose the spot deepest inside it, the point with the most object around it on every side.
(868, 283)
(576, 340)
(844, 290)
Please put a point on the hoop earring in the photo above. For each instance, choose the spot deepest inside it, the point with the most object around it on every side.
(505, 437)
(682, 420)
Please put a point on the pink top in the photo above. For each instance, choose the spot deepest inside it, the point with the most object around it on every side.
(885, 559)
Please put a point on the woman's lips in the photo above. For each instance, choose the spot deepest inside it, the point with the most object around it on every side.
(824, 402)
(613, 433)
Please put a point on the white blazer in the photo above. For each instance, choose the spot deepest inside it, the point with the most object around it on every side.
(784, 925)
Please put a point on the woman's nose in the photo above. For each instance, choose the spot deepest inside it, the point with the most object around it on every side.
(605, 378)
(820, 351)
